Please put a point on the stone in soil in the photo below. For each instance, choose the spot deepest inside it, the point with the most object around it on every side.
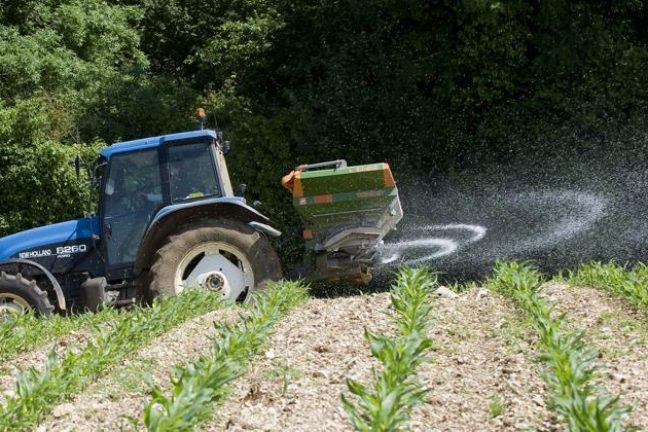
(482, 375)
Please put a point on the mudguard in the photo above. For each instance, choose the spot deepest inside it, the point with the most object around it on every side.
(168, 219)
(35, 269)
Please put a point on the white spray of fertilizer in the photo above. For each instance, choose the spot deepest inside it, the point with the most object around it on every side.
(577, 211)
(433, 247)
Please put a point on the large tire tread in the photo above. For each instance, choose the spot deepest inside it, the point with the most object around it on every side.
(158, 281)
(28, 290)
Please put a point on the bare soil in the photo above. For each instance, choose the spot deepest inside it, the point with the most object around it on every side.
(483, 375)
(295, 385)
(620, 336)
(37, 358)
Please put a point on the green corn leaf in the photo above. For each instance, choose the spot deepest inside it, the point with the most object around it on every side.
(197, 386)
(38, 391)
(570, 365)
(396, 391)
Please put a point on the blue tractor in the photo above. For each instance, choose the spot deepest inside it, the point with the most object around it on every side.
(167, 219)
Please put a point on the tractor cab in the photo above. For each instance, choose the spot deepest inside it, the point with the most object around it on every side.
(141, 177)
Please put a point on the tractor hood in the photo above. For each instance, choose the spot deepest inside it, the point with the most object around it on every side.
(48, 235)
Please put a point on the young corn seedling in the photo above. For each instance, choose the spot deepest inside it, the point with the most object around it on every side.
(616, 280)
(198, 386)
(24, 332)
(571, 366)
(396, 387)
(38, 391)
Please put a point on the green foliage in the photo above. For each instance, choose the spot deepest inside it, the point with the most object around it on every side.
(397, 390)
(38, 391)
(44, 169)
(199, 385)
(432, 86)
(495, 407)
(73, 77)
(571, 365)
(629, 284)
(21, 333)
(55, 60)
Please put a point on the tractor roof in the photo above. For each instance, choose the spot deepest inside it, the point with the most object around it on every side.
(144, 143)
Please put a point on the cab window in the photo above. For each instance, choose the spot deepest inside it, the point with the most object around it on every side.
(191, 172)
(132, 196)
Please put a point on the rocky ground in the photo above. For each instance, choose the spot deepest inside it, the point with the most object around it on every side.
(481, 361)
(483, 372)
(38, 357)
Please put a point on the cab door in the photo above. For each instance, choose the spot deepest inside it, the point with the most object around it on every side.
(132, 195)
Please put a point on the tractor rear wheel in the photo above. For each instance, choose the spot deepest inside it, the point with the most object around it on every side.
(19, 295)
(225, 256)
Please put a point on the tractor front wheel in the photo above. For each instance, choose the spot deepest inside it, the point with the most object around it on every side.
(19, 295)
(224, 256)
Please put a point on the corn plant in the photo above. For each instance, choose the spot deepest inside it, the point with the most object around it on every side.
(21, 333)
(571, 365)
(396, 387)
(631, 285)
(38, 391)
(198, 386)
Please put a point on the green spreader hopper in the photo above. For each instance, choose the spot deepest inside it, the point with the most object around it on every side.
(346, 212)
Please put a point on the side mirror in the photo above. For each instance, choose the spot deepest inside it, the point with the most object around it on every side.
(242, 188)
(226, 146)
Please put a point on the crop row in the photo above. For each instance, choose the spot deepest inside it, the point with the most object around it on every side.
(38, 391)
(630, 285)
(571, 365)
(21, 333)
(198, 386)
(396, 386)
(385, 404)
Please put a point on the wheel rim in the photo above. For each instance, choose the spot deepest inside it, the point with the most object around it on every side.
(218, 267)
(13, 304)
